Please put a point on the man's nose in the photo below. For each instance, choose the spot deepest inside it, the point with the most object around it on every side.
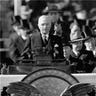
(45, 26)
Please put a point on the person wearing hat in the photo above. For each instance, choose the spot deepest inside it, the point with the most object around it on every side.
(90, 40)
(17, 42)
(59, 26)
(24, 17)
(81, 16)
(75, 37)
(90, 44)
(80, 57)
(66, 50)
(64, 62)
(67, 53)
(54, 12)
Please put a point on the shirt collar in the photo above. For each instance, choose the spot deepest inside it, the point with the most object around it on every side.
(47, 36)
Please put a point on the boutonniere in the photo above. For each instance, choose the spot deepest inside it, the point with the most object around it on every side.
(56, 45)
(56, 49)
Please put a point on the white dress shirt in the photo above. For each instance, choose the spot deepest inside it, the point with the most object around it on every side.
(45, 36)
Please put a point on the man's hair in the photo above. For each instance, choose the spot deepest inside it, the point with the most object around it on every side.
(43, 17)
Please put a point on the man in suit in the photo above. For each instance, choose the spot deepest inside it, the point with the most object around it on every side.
(90, 40)
(17, 42)
(44, 47)
(83, 59)
(24, 17)
(40, 46)
(59, 26)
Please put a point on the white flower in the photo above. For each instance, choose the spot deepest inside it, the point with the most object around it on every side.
(56, 45)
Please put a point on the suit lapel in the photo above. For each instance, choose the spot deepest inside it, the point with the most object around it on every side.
(41, 40)
(26, 43)
(36, 41)
(20, 44)
(48, 46)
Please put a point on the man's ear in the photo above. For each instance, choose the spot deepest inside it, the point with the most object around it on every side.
(38, 25)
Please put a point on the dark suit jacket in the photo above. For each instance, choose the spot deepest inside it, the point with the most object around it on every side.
(36, 45)
(85, 61)
(16, 46)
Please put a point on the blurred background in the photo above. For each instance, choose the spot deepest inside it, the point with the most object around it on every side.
(7, 10)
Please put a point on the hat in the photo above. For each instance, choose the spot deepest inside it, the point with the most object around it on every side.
(87, 32)
(77, 7)
(76, 36)
(92, 15)
(79, 11)
(52, 8)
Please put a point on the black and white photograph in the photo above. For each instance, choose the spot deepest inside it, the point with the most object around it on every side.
(47, 47)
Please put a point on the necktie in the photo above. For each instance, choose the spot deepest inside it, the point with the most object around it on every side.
(45, 40)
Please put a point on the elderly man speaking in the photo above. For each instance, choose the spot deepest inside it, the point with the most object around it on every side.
(42, 43)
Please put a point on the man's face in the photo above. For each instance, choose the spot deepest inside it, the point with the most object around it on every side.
(77, 46)
(54, 15)
(23, 32)
(44, 24)
(58, 29)
(25, 16)
(66, 51)
(90, 44)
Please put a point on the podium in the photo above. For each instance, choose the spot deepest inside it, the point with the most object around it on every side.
(26, 66)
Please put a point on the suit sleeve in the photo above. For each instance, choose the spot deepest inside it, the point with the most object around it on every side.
(13, 50)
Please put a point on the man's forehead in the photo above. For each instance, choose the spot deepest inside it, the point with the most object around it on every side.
(44, 19)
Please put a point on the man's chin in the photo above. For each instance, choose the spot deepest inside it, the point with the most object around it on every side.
(45, 32)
